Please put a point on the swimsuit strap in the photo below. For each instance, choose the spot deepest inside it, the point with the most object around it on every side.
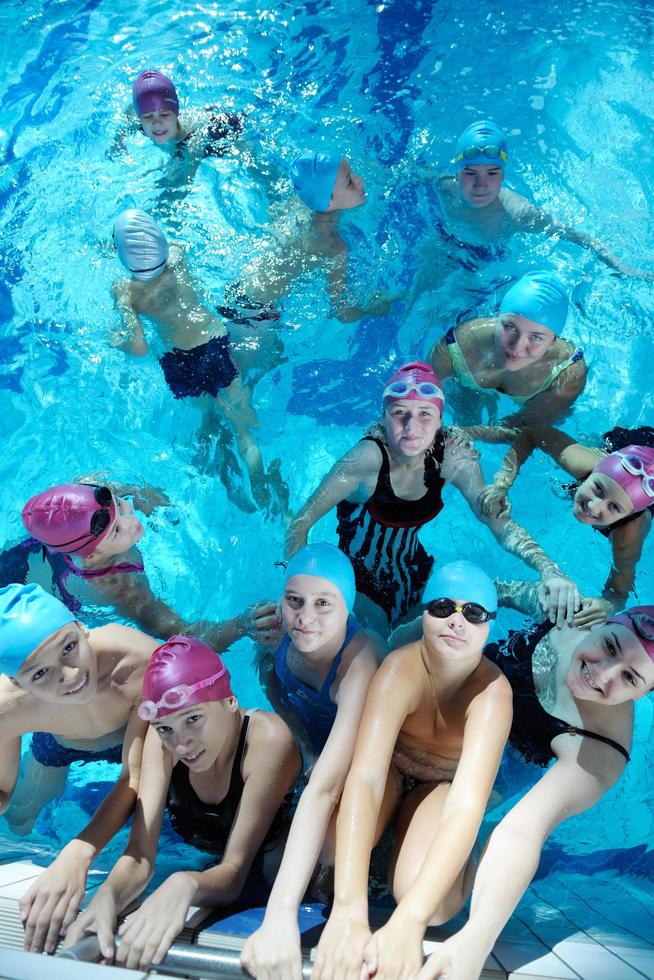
(558, 369)
(460, 365)
(566, 729)
(121, 567)
(236, 782)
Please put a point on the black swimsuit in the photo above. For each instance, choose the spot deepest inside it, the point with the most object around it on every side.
(380, 536)
(533, 728)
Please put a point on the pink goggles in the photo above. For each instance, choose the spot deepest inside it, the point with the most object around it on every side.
(176, 697)
(635, 465)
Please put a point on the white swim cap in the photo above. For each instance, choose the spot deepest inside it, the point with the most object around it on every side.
(141, 244)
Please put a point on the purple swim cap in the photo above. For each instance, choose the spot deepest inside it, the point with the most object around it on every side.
(152, 91)
(182, 672)
(640, 620)
(71, 517)
(633, 469)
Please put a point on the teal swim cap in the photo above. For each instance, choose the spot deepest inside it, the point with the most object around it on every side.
(325, 561)
(314, 176)
(481, 143)
(461, 580)
(28, 616)
(540, 297)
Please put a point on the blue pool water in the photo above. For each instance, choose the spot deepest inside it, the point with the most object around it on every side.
(392, 84)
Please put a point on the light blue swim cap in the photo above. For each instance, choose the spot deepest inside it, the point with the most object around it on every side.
(540, 297)
(314, 176)
(140, 243)
(479, 136)
(461, 580)
(28, 616)
(325, 561)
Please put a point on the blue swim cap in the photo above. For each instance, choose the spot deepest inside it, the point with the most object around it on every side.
(314, 176)
(325, 561)
(481, 135)
(28, 616)
(540, 297)
(461, 580)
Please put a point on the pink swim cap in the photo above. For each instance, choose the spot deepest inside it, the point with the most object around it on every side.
(182, 672)
(415, 380)
(71, 517)
(633, 469)
(640, 621)
(152, 91)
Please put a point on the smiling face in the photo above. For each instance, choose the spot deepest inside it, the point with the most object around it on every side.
(63, 669)
(160, 126)
(453, 637)
(609, 666)
(521, 342)
(125, 532)
(349, 191)
(314, 613)
(196, 735)
(601, 501)
(479, 184)
(411, 425)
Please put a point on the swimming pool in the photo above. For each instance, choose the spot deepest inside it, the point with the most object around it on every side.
(393, 84)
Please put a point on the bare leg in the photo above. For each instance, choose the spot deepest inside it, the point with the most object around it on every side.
(36, 786)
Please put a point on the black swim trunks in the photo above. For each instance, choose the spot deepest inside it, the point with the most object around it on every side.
(202, 370)
(49, 752)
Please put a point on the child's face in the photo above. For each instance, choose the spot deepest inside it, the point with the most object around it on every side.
(479, 185)
(453, 637)
(609, 666)
(520, 341)
(349, 191)
(314, 613)
(160, 126)
(125, 531)
(63, 669)
(196, 735)
(601, 501)
(411, 425)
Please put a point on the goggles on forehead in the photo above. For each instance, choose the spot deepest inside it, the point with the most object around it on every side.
(472, 611)
(400, 389)
(100, 520)
(643, 625)
(492, 151)
(176, 697)
(635, 466)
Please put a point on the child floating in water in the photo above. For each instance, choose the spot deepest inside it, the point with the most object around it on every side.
(90, 535)
(303, 242)
(187, 136)
(77, 691)
(222, 772)
(199, 363)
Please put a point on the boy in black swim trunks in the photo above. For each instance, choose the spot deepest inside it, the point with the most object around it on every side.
(199, 363)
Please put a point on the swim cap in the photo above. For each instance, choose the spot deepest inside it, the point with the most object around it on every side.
(28, 616)
(633, 469)
(314, 176)
(461, 580)
(71, 517)
(174, 677)
(151, 91)
(481, 135)
(539, 297)
(325, 561)
(640, 621)
(141, 244)
(417, 381)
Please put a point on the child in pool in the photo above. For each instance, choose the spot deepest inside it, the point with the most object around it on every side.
(188, 136)
(434, 726)
(222, 771)
(303, 242)
(90, 535)
(573, 697)
(615, 495)
(199, 363)
(317, 680)
(519, 352)
(77, 691)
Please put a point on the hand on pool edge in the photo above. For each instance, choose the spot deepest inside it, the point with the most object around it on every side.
(51, 903)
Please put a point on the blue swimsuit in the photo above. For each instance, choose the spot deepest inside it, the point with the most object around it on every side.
(315, 708)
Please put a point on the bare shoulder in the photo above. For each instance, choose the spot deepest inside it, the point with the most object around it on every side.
(517, 207)
(269, 731)
(365, 456)
(116, 638)
(364, 648)
(15, 719)
(446, 185)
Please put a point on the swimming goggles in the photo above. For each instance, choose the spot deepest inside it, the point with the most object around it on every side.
(636, 467)
(176, 697)
(472, 611)
(100, 520)
(492, 151)
(643, 625)
(426, 389)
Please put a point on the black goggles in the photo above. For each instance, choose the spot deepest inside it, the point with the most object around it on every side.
(100, 520)
(643, 625)
(472, 611)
